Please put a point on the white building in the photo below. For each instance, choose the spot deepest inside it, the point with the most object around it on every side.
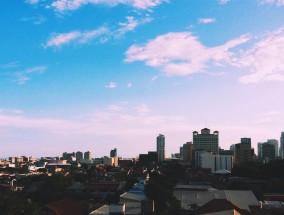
(204, 159)
(110, 161)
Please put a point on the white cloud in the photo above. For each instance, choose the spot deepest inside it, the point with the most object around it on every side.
(32, 1)
(130, 24)
(76, 36)
(113, 121)
(63, 5)
(111, 85)
(103, 34)
(265, 60)
(223, 1)
(21, 77)
(206, 20)
(10, 65)
(279, 3)
(89, 35)
(181, 53)
(37, 20)
(142, 109)
(129, 85)
(62, 39)
(114, 108)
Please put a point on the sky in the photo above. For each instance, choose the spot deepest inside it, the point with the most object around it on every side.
(93, 75)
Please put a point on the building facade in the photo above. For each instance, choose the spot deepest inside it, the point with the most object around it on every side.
(79, 155)
(161, 147)
(187, 152)
(212, 161)
(87, 155)
(268, 151)
(206, 141)
(281, 151)
(113, 153)
(243, 152)
(275, 143)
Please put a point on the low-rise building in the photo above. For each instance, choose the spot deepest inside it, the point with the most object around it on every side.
(204, 159)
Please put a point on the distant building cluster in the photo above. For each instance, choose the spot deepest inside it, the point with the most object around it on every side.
(202, 152)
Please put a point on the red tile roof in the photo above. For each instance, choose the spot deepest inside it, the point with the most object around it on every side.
(66, 206)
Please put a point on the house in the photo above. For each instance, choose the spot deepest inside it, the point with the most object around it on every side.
(192, 199)
(65, 206)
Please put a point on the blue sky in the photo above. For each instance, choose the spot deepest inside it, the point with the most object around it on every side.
(99, 74)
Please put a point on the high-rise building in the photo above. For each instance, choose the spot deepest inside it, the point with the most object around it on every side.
(161, 147)
(79, 155)
(206, 141)
(232, 147)
(246, 140)
(275, 143)
(87, 155)
(181, 152)
(187, 152)
(268, 151)
(243, 152)
(259, 149)
(69, 156)
(281, 151)
(113, 153)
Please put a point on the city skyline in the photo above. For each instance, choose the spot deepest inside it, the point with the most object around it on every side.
(97, 75)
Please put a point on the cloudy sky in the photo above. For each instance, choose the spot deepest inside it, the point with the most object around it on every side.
(98, 74)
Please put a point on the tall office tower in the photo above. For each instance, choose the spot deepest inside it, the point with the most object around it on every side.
(187, 151)
(87, 155)
(267, 150)
(259, 149)
(281, 152)
(161, 147)
(79, 155)
(243, 152)
(113, 153)
(246, 140)
(275, 143)
(181, 152)
(232, 147)
(206, 141)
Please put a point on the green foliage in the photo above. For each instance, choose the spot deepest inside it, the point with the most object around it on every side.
(257, 169)
(15, 203)
(112, 198)
(160, 189)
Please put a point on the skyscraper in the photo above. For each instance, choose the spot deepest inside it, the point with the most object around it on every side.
(187, 152)
(79, 155)
(206, 141)
(113, 153)
(281, 145)
(161, 147)
(246, 140)
(267, 150)
(243, 151)
(275, 143)
(87, 155)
